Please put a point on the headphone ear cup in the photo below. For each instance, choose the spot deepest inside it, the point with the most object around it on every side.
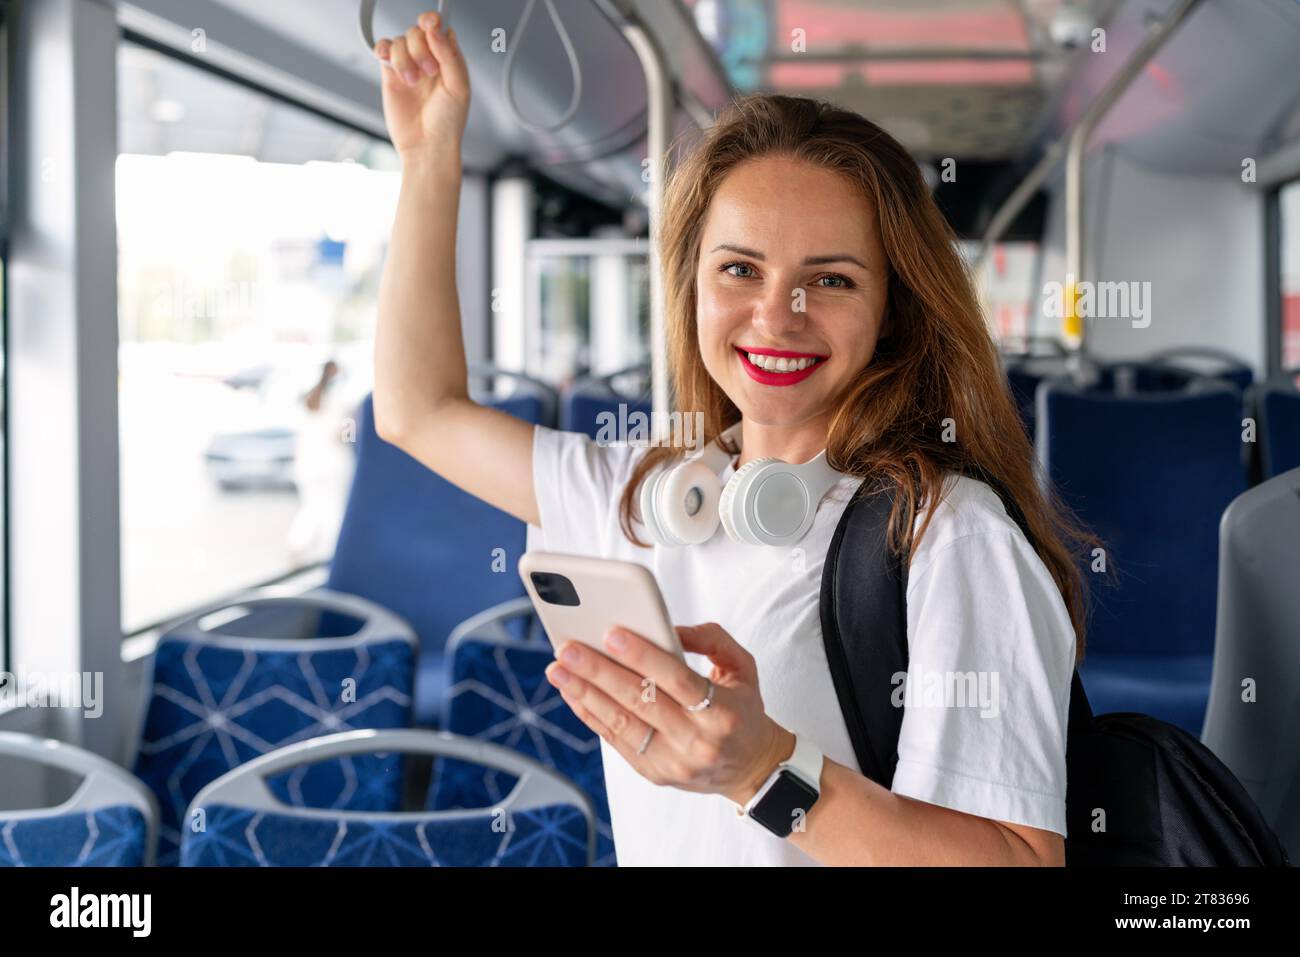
(649, 508)
(690, 484)
(732, 504)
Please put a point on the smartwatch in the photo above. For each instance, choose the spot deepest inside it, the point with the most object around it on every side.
(789, 793)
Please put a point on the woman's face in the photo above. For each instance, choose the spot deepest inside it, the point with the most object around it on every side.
(790, 263)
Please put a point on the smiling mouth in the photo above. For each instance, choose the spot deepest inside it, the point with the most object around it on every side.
(779, 367)
(780, 360)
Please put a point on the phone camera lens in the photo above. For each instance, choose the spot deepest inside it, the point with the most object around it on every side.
(554, 589)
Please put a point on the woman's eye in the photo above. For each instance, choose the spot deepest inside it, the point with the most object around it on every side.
(837, 281)
(732, 268)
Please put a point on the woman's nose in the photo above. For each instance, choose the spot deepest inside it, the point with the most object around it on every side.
(781, 309)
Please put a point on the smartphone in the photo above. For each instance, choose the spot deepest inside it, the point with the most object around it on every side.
(579, 598)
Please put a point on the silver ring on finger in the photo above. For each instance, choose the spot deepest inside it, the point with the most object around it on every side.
(706, 701)
(646, 743)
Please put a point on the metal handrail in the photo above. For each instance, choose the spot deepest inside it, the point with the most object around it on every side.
(1071, 147)
(1159, 34)
(659, 101)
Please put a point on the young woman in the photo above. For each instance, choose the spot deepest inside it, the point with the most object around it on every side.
(800, 230)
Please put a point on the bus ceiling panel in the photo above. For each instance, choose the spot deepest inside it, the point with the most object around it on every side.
(293, 47)
(967, 79)
(1224, 89)
(610, 181)
(618, 179)
(168, 105)
(542, 77)
(703, 84)
(611, 115)
(937, 121)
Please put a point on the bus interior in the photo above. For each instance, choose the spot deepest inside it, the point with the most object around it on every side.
(204, 532)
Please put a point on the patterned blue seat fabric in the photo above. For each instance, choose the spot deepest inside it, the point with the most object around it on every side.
(238, 837)
(107, 837)
(212, 708)
(544, 820)
(499, 693)
(108, 819)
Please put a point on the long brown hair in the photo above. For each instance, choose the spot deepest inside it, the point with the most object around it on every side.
(934, 376)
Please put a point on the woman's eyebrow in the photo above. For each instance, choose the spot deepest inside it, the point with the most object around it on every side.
(742, 250)
(810, 261)
(835, 258)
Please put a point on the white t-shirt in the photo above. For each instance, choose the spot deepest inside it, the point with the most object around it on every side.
(979, 600)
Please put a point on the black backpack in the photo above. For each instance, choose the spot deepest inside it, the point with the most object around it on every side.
(1167, 799)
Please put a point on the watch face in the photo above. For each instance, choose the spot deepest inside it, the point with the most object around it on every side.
(787, 801)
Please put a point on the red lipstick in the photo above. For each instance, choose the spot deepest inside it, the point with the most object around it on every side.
(782, 353)
(778, 378)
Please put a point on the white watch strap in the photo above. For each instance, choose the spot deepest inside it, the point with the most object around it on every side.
(806, 761)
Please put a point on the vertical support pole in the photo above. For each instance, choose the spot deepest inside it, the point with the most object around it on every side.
(512, 227)
(659, 101)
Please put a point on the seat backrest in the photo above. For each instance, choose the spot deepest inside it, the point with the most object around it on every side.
(1150, 474)
(515, 392)
(1253, 720)
(1127, 378)
(111, 819)
(1207, 361)
(218, 696)
(1170, 370)
(543, 821)
(420, 546)
(612, 398)
(499, 693)
(1024, 373)
(1277, 407)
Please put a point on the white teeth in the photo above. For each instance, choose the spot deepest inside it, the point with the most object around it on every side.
(773, 364)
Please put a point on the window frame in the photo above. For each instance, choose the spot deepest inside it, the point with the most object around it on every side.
(128, 35)
(5, 139)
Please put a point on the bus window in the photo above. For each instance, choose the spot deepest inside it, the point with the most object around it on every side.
(588, 305)
(251, 235)
(1007, 284)
(1289, 210)
(562, 350)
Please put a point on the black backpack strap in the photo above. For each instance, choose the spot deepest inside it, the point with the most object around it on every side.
(1080, 709)
(864, 628)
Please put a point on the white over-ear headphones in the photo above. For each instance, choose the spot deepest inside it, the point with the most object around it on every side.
(767, 501)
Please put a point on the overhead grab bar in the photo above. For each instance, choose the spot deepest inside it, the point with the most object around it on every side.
(659, 98)
(368, 21)
(1158, 34)
(1072, 145)
(512, 49)
(575, 68)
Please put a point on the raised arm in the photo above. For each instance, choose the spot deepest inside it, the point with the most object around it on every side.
(421, 395)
